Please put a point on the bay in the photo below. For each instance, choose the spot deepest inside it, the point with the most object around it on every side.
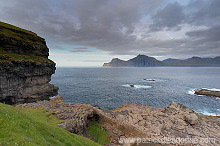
(109, 87)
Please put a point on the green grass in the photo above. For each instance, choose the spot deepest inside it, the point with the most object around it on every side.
(8, 57)
(6, 25)
(34, 127)
(8, 30)
(98, 133)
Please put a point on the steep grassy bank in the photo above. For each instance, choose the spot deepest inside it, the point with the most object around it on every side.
(98, 133)
(34, 127)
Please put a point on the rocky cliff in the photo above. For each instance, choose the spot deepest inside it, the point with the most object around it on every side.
(25, 70)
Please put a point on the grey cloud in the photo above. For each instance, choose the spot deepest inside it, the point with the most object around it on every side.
(170, 17)
(197, 12)
(208, 35)
(81, 51)
(109, 24)
(204, 12)
(81, 48)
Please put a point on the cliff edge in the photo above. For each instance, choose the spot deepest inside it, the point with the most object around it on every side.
(25, 70)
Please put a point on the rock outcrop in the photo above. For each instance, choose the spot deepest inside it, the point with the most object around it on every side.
(25, 70)
(138, 121)
(207, 92)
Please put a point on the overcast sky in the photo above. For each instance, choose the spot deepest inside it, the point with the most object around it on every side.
(91, 32)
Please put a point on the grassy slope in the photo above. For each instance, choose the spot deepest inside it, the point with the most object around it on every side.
(8, 57)
(18, 33)
(34, 127)
(24, 35)
(98, 133)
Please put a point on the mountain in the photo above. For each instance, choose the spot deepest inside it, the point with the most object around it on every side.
(139, 61)
(195, 61)
(146, 61)
(171, 60)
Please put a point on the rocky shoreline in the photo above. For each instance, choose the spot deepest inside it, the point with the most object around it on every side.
(135, 121)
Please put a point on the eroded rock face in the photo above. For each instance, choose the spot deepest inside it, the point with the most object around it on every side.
(25, 70)
(26, 82)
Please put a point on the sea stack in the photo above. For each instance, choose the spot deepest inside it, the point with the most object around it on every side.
(25, 70)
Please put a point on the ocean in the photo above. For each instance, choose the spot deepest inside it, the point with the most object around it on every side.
(109, 87)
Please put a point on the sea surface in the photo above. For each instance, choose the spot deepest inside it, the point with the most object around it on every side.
(109, 87)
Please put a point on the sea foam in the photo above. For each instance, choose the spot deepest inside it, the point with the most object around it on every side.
(137, 86)
(208, 113)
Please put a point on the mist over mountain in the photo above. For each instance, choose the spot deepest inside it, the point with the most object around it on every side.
(146, 61)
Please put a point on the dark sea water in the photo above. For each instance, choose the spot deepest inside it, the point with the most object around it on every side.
(109, 87)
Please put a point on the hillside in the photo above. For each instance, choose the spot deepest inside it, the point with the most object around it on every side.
(35, 127)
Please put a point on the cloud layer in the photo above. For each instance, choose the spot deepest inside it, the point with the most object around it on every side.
(165, 28)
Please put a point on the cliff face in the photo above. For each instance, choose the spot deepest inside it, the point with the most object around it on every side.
(25, 70)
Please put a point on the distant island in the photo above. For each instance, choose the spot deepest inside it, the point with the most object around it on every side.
(146, 61)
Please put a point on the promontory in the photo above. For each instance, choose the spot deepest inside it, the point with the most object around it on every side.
(25, 70)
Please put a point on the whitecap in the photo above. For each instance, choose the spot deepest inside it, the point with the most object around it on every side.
(191, 92)
(210, 114)
(52, 97)
(137, 86)
(212, 89)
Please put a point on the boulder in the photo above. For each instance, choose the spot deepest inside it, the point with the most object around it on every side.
(192, 119)
(131, 85)
(151, 80)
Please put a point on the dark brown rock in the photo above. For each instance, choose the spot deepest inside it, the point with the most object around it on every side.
(150, 80)
(207, 92)
(131, 85)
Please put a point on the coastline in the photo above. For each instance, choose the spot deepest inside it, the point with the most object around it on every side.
(133, 120)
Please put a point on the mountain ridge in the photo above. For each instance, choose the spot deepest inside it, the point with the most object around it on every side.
(147, 61)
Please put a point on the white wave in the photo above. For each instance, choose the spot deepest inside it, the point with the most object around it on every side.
(137, 86)
(210, 114)
(212, 89)
(52, 97)
(191, 92)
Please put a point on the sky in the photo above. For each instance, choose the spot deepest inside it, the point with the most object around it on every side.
(90, 32)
